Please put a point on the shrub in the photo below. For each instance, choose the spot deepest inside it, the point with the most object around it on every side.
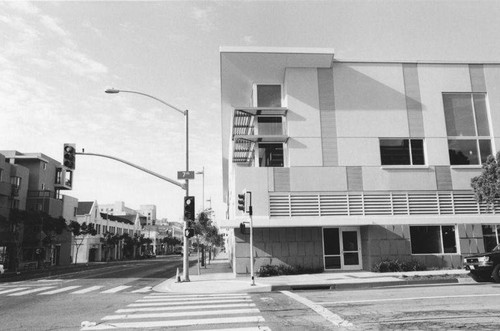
(412, 265)
(389, 265)
(282, 269)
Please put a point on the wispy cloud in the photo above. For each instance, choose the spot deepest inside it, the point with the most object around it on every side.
(249, 40)
(52, 25)
(78, 62)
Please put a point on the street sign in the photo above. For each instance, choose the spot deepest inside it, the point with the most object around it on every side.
(185, 174)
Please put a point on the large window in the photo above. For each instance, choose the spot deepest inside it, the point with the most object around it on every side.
(491, 236)
(402, 151)
(270, 125)
(467, 127)
(433, 239)
(270, 155)
(268, 95)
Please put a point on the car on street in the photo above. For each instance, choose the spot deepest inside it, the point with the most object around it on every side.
(484, 266)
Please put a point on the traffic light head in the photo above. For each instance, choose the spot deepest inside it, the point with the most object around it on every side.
(69, 156)
(189, 232)
(241, 202)
(189, 208)
(242, 228)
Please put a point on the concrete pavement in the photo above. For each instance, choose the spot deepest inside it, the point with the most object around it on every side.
(218, 277)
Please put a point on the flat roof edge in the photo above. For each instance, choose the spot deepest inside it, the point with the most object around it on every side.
(277, 50)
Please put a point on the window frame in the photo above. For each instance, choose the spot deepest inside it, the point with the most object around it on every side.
(424, 149)
(441, 237)
(255, 94)
(476, 138)
(256, 154)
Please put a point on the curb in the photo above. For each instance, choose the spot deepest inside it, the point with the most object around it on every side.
(349, 286)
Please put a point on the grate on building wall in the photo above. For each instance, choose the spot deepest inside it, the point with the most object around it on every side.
(375, 203)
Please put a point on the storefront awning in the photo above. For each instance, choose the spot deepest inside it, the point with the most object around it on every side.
(244, 146)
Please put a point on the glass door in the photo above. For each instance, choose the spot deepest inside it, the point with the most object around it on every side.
(342, 248)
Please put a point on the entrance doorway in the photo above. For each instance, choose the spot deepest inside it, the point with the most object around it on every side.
(341, 248)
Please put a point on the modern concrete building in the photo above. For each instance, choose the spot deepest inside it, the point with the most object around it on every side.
(33, 182)
(350, 163)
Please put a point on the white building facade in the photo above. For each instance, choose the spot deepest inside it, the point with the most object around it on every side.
(350, 163)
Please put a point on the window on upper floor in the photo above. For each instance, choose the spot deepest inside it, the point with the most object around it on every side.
(270, 155)
(1, 174)
(267, 95)
(15, 181)
(467, 126)
(270, 125)
(402, 151)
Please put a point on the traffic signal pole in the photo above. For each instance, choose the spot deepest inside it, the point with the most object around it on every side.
(185, 262)
(250, 212)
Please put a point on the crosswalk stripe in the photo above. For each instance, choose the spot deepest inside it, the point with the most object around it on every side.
(34, 290)
(234, 305)
(174, 323)
(144, 304)
(143, 290)
(13, 290)
(197, 295)
(184, 314)
(86, 290)
(59, 290)
(254, 328)
(116, 289)
(189, 299)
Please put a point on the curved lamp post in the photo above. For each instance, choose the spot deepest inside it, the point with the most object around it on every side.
(185, 265)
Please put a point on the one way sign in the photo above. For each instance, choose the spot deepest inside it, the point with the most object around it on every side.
(185, 174)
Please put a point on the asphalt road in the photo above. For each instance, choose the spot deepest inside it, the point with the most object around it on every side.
(91, 294)
(444, 307)
(119, 296)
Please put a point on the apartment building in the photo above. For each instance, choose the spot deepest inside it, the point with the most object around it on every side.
(33, 182)
(350, 162)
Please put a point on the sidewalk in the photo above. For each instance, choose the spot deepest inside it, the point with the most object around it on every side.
(218, 277)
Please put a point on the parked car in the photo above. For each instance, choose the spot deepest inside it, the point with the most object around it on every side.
(484, 266)
(178, 250)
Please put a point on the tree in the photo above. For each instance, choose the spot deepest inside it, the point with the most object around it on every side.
(207, 233)
(81, 231)
(486, 186)
(111, 240)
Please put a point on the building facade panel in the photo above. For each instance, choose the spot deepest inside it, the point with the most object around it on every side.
(390, 178)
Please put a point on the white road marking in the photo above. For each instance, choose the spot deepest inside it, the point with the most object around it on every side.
(86, 290)
(325, 313)
(116, 289)
(197, 295)
(13, 290)
(166, 299)
(236, 305)
(59, 290)
(184, 314)
(143, 290)
(145, 304)
(34, 290)
(254, 328)
(411, 298)
(174, 323)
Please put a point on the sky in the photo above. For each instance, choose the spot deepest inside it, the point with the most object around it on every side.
(58, 57)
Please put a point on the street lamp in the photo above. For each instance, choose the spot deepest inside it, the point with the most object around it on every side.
(203, 190)
(185, 266)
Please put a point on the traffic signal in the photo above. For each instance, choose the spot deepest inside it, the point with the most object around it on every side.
(245, 202)
(189, 232)
(189, 208)
(241, 202)
(242, 228)
(69, 156)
